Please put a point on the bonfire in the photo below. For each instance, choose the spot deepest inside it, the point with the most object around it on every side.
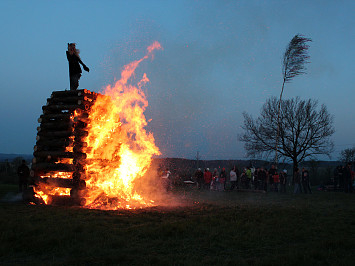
(107, 148)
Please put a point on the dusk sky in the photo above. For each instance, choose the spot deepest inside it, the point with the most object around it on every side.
(219, 59)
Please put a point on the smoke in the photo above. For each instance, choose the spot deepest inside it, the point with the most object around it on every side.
(12, 197)
(201, 83)
(151, 186)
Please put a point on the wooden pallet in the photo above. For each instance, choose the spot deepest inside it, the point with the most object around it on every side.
(60, 142)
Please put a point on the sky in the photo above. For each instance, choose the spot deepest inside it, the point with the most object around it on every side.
(219, 59)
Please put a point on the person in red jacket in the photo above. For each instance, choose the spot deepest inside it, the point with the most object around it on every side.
(74, 67)
(276, 179)
(207, 176)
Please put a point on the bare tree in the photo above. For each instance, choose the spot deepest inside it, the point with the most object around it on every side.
(305, 131)
(293, 64)
(348, 155)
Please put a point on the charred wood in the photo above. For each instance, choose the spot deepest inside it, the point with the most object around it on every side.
(43, 160)
(56, 134)
(68, 107)
(80, 149)
(69, 100)
(81, 124)
(54, 117)
(53, 167)
(62, 182)
(67, 201)
(56, 125)
(83, 92)
(79, 176)
(47, 143)
(80, 133)
(56, 154)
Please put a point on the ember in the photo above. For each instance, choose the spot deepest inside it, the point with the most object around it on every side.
(93, 148)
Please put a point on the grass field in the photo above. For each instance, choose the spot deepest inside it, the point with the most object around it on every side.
(207, 228)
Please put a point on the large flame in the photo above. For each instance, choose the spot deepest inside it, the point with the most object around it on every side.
(120, 150)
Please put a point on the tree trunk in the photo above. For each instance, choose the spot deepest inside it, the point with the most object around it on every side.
(295, 167)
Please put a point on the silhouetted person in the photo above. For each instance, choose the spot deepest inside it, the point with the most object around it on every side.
(272, 172)
(297, 181)
(199, 177)
(262, 175)
(305, 181)
(348, 187)
(74, 67)
(338, 171)
(223, 178)
(23, 173)
(341, 177)
(283, 181)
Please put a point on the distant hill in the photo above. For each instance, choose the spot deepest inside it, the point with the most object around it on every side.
(179, 163)
(185, 165)
(10, 157)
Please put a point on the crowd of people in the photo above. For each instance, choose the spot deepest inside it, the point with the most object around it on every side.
(248, 178)
(260, 179)
(344, 178)
(251, 178)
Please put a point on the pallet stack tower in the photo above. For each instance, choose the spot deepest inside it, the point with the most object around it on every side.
(60, 150)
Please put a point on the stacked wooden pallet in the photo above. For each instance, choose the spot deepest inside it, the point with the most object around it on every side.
(60, 150)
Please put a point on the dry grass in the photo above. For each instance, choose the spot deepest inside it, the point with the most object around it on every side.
(207, 228)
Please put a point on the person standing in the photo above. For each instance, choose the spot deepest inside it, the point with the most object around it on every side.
(243, 179)
(23, 173)
(348, 186)
(215, 180)
(276, 179)
(222, 179)
(207, 176)
(74, 67)
(272, 172)
(166, 180)
(263, 179)
(256, 181)
(199, 177)
(305, 181)
(283, 181)
(248, 177)
(233, 178)
(297, 181)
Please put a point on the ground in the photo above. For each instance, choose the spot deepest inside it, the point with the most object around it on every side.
(206, 228)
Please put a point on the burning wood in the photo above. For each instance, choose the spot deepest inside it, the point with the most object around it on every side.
(59, 155)
(93, 148)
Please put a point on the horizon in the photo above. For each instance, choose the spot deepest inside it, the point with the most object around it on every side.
(14, 155)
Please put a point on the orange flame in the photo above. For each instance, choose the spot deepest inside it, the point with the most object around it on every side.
(120, 149)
